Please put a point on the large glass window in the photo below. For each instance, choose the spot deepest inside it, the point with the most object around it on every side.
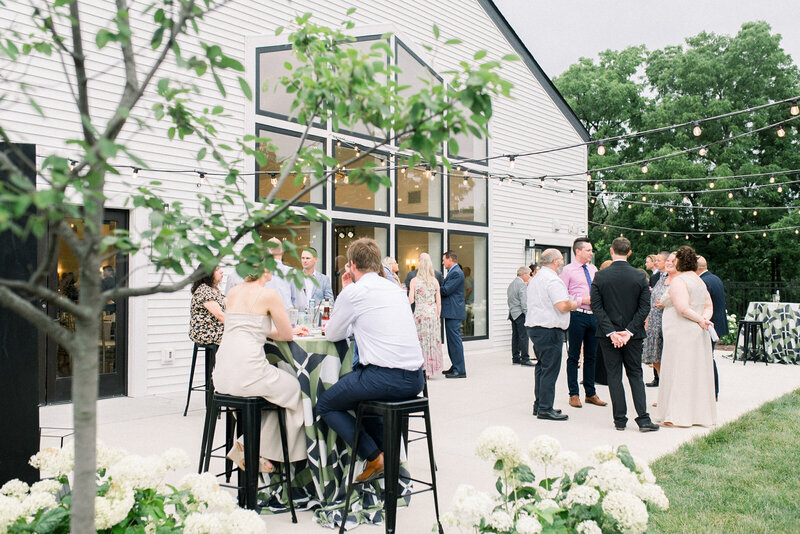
(472, 252)
(358, 197)
(271, 98)
(302, 234)
(469, 146)
(344, 233)
(468, 192)
(415, 75)
(533, 255)
(419, 191)
(364, 46)
(283, 144)
(413, 242)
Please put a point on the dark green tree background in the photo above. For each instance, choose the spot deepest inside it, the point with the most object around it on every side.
(636, 90)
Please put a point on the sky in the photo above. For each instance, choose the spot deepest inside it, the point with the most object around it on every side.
(558, 32)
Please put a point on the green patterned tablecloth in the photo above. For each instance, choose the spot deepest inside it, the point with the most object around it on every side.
(781, 322)
(320, 485)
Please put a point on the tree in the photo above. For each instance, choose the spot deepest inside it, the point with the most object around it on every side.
(711, 75)
(332, 82)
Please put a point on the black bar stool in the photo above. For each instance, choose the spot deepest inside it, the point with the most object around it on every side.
(751, 347)
(248, 423)
(209, 351)
(395, 418)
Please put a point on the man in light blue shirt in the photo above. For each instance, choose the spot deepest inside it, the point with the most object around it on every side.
(290, 295)
(322, 288)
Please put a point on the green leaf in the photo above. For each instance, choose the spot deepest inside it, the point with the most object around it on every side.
(625, 457)
(480, 54)
(248, 92)
(103, 37)
(436, 31)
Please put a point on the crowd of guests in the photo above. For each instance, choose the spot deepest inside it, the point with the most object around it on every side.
(395, 329)
(616, 318)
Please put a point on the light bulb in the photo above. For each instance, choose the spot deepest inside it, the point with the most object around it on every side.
(685, 200)
(687, 237)
(671, 210)
(641, 233)
(592, 201)
(764, 234)
(644, 169)
(730, 195)
(697, 130)
(755, 212)
(588, 177)
(703, 151)
(711, 185)
(712, 212)
(601, 149)
(795, 109)
(511, 162)
(737, 236)
(605, 228)
(772, 179)
(135, 172)
(796, 231)
(781, 131)
(273, 181)
(708, 236)
(644, 198)
(655, 186)
(780, 189)
(665, 235)
(630, 206)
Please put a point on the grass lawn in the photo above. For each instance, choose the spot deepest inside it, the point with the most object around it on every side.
(742, 477)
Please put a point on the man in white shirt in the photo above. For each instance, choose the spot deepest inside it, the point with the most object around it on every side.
(390, 357)
(547, 320)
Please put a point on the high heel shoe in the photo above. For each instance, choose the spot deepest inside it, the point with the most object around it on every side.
(236, 455)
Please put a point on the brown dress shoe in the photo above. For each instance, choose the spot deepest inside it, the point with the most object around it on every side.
(594, 399)
(372, 470)
(575, 401)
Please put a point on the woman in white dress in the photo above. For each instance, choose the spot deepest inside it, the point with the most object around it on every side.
(686, 388)
(254, 313)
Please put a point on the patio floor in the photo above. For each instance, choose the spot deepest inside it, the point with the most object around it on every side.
(495, 393)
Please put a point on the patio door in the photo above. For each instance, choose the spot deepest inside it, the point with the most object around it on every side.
(112, 344)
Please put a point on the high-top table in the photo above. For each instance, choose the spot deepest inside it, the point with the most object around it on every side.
(781, 322)
(318, 364)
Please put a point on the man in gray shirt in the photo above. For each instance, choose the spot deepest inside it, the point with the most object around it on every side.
(517, 294)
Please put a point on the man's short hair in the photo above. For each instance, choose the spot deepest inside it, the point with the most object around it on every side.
(523, 270)
(312, 250)
(621, 246)
(579, 243)
(664, 254)
(366, 255)
(701, 262)
(549, 256)
(451, 255)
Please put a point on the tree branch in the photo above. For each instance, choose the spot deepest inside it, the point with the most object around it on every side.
(45, 294)
(29, 311)
(125, 292)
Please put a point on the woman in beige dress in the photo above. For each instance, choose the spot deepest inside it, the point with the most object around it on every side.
(254, 313)
(686, 390)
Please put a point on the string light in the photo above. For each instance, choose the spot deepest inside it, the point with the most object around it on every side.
(737, 236)
(711, 185)
(687, 237)
(755, 212)
(655, 186)
(273, 180)
(781, 131)
(730, 195)
(703, 151)
(601, 149)
(135, 172)
(72, 164)
(712, 212)
(795, 109)
(644, 169)
(780, 189)
(644, 198)
(697, 131)
(630, 206)
(772, 179)
(428, 172)
(511, 162)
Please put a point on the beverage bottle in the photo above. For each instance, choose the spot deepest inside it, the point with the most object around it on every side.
(326, 315)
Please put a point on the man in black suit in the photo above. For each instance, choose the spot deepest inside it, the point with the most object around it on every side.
(720, 316)
(620, 300)
(454, 312)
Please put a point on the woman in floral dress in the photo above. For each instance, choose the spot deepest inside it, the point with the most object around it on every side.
(654, 342)
(424, 292)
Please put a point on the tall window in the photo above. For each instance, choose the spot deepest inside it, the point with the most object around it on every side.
(344, 233)
(283, 144)
(413, 242)
(271, 98)
(467, 200)
(358, 197)
(419, 191)
(472, 252)
(366, 45)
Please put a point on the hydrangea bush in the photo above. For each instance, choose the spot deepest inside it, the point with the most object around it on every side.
(612, 491)
(132, 497)
(733, 325)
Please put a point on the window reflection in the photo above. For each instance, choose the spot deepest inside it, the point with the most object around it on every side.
(273, 99)
(355, 196)
(302, 234)
(283, 144)
(472, 257)
(412, 243)
(419, 190)
(344, 233)
(467, 200)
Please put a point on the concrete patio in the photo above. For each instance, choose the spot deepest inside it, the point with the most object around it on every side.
(495, 393)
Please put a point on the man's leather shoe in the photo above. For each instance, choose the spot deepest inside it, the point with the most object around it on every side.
(448, 372)
(456, 375)
(536, 410)
(515, 361)
(372, 470)
(552, 415)
(575, 401)
(594, 399)
(620, 428)
(653, 384)
(527, 363)
(648, 427)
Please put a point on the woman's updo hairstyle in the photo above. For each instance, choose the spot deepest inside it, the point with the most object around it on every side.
(686, 258)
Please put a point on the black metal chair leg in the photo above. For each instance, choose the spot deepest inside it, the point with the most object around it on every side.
(391, 454)
(350, 472)
(429, 427)
(191, 379)
(287, 464)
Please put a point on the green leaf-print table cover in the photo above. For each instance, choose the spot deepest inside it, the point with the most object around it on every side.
(781, 322)
(318, 364)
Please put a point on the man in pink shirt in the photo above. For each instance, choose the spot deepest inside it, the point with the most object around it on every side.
(578, 277)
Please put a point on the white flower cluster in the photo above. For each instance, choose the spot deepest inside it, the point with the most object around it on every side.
(471, 505)
(653, 494)
(628, 510)
(113, 507)
(108, 456)
(544, 450)
(15, 487)
(501, 520)
(548, 504)
(205, 490)
(585, 495)
(603, 453)
(55, 462)
(645, 474)
(499, 443)
(612, 475)
(236, 522)
(588, 527)
(569, 462)
(11, 509)
(527, 524)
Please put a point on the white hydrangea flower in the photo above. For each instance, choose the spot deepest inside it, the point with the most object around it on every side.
(239, 521)
(108, 456)
(46, 486)
(139, 472)
(547, 504)
(544, 449)
(212, 523)
(10, 510)
(201, 486)
(527, 524)
(588, 527)
(499, 443)
(569, 462)
(175, 459)
(242, 521)
(644, 473)
(449, 519)
(220, 501)
(603, 453)
(15, 487)
(585, 495)
(113, 507)
(612, 475)
(501, 520)
(628, 509)
(544, 493)
(57, 462)
(38, 501)
(653, 494)
(471, 505)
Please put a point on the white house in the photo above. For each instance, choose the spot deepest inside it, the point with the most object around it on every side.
(488, 223)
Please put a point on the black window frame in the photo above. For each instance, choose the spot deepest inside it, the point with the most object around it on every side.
(488, 307)
(353, 222)
(485, 176)
(363, 148)
(421, 229)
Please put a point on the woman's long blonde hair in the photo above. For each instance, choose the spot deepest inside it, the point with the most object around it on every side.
(425, 271)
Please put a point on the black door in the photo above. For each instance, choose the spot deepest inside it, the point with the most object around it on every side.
(112, 345)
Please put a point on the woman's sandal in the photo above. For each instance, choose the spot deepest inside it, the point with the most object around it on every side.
(236, 455)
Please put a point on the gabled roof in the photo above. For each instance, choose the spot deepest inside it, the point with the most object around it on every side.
(526, 56)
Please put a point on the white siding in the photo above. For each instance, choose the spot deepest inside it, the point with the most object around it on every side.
(529, 120)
